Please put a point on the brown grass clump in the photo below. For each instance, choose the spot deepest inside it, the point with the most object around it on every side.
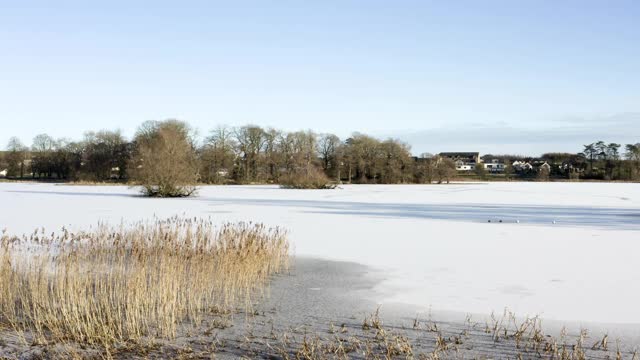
(120, 284)
(311, 178)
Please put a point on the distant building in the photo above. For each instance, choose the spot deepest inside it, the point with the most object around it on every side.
(469, 157)
(463, 166)
(494, 166)
(546, 167)
(3, 173)
(115, 173)
(465, 161)
(522, 166)
(223, 173)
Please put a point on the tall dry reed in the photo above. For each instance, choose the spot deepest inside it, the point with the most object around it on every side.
(123, 283)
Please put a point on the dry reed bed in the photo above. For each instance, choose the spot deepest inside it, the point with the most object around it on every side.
(122, 283)
(505, 337)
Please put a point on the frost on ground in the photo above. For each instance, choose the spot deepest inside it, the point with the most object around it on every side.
(565, 251)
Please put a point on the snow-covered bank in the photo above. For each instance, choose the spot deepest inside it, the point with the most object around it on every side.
(434, 242)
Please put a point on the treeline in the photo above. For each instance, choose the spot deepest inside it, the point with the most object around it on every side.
(597, 161)
(99, 156)
(252, 154)
(607, 162)
(240, 155)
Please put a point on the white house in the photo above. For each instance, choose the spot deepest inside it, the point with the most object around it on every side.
(223, 173)
(465, 161)
(464, 166)
(3, 173)
(522, 166)
(495, 166)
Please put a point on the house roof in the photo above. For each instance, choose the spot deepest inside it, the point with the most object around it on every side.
(460, 154)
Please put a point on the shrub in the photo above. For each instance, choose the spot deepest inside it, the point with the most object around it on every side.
(165, 161)
(543, 175)
(117, 284)
(480, 171)
(312, 178)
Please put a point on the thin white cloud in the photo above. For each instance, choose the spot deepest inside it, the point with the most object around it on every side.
(567, 134)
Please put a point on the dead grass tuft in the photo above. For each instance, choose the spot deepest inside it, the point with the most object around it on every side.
(311, 178)
(120, 284)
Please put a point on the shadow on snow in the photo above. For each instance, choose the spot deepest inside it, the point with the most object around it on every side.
(614, 218)
(602, 217)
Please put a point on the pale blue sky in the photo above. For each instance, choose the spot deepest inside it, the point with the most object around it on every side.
(494, 76)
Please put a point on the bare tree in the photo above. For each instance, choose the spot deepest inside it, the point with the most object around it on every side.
(304, 150)
(508, 171)
(445, 169)
(43, 148)
(362, 152)
(396, 164)
(272, 157)
(250, 141)
(165, 161)
(218, 156)
(425, 168)
(286, 151)
(480, 171)
(16, 158)
(106, 155)
(328, 146)
(543, 174)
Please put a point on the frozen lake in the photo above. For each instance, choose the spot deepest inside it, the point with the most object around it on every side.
(566, 251)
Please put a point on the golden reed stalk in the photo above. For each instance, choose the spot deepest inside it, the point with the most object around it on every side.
(123, 283)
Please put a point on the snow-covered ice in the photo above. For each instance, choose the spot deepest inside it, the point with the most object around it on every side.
(566, 251)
